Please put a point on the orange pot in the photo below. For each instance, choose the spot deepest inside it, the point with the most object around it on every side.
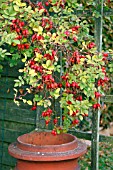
(43, 151)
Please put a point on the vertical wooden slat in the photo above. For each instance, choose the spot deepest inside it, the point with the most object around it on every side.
(96, 115)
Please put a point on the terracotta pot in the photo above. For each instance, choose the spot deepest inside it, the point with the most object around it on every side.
(43, 151)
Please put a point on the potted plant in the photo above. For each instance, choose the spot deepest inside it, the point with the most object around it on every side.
(60, 64)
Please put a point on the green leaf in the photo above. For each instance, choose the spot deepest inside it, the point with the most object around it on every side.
(16, 41)
(81, 117)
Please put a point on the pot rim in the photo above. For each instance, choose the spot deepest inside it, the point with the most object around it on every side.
(47, 148)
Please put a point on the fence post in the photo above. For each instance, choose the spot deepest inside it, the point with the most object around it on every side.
(96, 115)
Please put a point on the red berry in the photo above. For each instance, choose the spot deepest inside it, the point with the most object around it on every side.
(47, 3)
(54, 132)
(67, 33)
(94, 106)
(91, 45)
(76, 121)
(75, 39)
(55, 121)
(105, 54)
(21, 24)
(97, 95)
(50, 111)
(26, 46)
(19, 46)
(47, 122)
(34, 108)
(19, 37)
(59, 85)
(32, 62)
(69, 102)
(17, 30)
(67, 84)
(25, 32)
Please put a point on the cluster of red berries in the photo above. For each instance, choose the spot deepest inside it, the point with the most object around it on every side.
(79, 98)
(40, 7)
(65, 77)
(67, 33)
(37, 37)
(75, 28)
(74, 113)
(54, 132)
(40, 87)
(61, 3)
(37, 68)
(105, 56)
(50, 56)
(76, 57)
(47, 24)
(18, 26)
(48, 112)
(97, 95)
(73, 85)
(101, 82)
(96, 106)
(104, 70)
(57, 131)
(55, 121)
(23, 46)
(49, 81)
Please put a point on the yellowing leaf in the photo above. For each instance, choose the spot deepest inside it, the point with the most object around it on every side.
(48, 63)
(53, 36)
(24, 60)
(24, 100)
(32, 72)
(29, 102)
(44, 65)
(88, 56)
(21, 70)
(16, 8)
(57, 90)
(28, 90)
(41, 11)
(38, 57)
(51, 67)
(83, 80)
(19, 3)
(38, 29)
(70, 110)
(40, 103)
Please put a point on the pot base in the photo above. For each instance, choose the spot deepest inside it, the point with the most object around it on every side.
(60, 165)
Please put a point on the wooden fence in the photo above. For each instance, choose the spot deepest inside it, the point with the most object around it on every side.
(15, 120)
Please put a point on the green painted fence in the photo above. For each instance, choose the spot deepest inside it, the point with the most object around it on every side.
(15, 120)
